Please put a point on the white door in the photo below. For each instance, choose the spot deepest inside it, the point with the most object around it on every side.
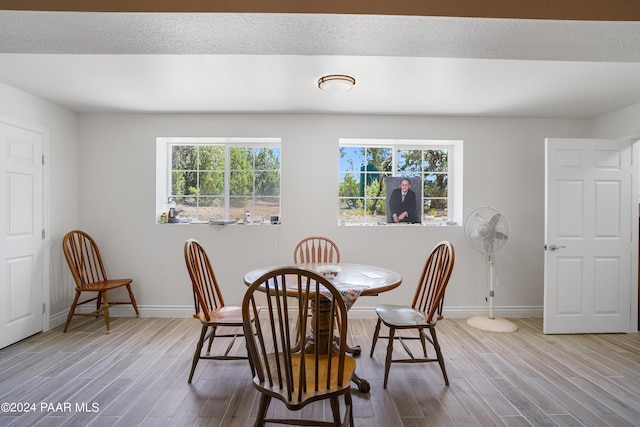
(588, 235)
(21, 246)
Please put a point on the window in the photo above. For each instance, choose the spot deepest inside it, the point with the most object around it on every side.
(219, 178)
(364, 165)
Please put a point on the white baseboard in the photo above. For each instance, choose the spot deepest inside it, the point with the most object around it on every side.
(180, 312)
(357, 312)
(462, 312)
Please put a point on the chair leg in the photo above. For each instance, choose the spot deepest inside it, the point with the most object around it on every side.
(196, 355)
(211, 337)
(72, 310)
(436, 345)
(335, 410)
(423, 341)
(262, 410)
(387, 362)
(133, 301)
(375, 337)
(348, 406)
(98, 302)
(105, 302)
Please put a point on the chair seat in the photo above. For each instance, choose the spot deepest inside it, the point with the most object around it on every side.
(401, 316)
(105, 285)
(228, 315)
(311, 393)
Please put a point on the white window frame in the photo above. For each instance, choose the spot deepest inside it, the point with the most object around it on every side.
(163, 165)
(454, 168)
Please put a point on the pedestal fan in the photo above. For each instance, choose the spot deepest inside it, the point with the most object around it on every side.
(487, 231)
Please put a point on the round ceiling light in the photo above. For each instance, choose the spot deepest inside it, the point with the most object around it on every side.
(336, 83)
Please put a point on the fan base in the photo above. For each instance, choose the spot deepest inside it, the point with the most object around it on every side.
(486, 323)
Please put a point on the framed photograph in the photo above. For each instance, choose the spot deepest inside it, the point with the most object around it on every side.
(404, 200)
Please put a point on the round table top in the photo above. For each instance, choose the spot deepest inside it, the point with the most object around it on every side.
(374, 280)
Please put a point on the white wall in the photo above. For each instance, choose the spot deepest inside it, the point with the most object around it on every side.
(503, 167)
(624, 123)
(62, 161)
(100, 176)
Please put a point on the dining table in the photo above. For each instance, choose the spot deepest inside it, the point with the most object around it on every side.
(352, 281)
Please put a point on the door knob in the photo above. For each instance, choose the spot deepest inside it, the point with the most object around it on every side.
(554, 247)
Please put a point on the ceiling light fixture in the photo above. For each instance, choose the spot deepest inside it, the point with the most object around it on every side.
(336, 83)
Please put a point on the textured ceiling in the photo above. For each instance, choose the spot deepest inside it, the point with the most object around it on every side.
(235, 62)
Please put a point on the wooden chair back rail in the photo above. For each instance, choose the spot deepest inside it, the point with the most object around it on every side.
(293, 373)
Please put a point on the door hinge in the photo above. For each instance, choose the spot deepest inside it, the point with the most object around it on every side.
(43, 234)
(43, 159)
(44, 308)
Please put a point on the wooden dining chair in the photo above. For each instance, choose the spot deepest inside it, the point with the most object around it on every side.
(293, 374)
(316, 249)
(424, 312)
(89, 274)
(209, 306)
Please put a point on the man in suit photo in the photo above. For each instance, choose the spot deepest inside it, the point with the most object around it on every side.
(402, 205)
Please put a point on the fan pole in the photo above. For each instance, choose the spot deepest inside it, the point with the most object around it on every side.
(491, 292)
(491, 323)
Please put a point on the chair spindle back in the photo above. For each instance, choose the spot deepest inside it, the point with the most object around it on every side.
(206, 293)
(316, 249)
(429, 296)
(83, 257)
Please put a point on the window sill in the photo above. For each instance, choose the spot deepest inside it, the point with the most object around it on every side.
(218, 223)
(383, 224)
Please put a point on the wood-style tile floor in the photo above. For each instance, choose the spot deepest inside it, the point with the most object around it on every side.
(137, 376)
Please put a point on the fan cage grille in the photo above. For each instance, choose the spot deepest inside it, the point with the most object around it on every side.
(487, 230)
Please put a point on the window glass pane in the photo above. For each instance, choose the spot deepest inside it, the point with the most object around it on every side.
(210, 184)
(376, 209)
(210, 157)
(241, 158)
(350, 210)
(267, 183)
(436, 208)
(210, 208)
(183, 157)
(436, 160)
(180, 181)
(348, 185)
(185, 205)
(239, 205)
(267, 158)
(240, 183)
(351, 158)
(409, 162)
(380, 157)
(265, 207)
(435, 185)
